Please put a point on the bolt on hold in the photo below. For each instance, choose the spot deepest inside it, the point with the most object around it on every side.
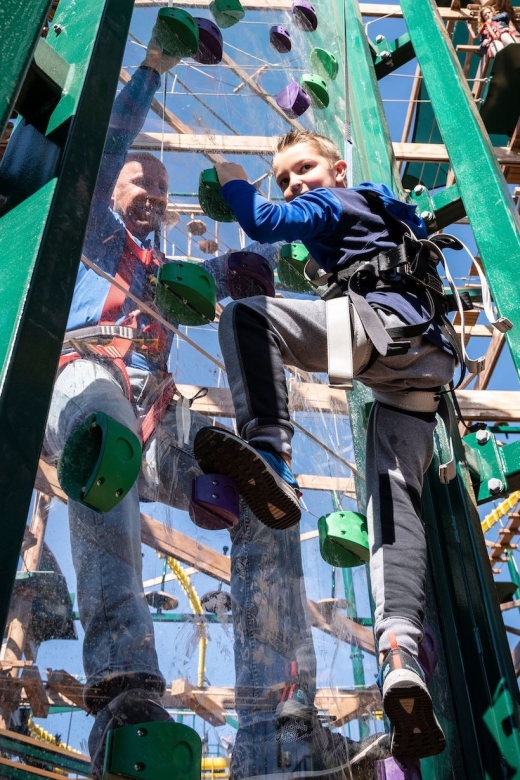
(495, 486)
(483, 437)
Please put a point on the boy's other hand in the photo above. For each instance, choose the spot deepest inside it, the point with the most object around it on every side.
(227, 171)
(156, 58)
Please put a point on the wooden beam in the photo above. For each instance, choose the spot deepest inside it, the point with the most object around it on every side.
(171, 542)
(413, 152)
(35, 691)
(184, 694)
(493, 353)
(199, 142)
(67, 686)
(16, 769)
(497, 405)
(367, 9)
(344, 704)
(303, 396)
(257, 144)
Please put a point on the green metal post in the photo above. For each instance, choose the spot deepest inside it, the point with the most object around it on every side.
(48, 176)
(487, 201)
(474, 690)
(22, 24)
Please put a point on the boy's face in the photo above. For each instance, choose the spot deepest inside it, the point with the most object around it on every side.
(141, 195)
(301, 168)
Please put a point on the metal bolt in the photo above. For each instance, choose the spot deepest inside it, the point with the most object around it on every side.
(139, 767)
(427, 216)
(495, 486)
(100, 481)
(58, 28)
(214, 495)
(119, 492)
(385, 55)
(483, 436)
(142, 732)
(419, 189)
(380, 38)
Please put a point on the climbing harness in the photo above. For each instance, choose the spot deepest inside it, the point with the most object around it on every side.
(112, 344)
(356, 335)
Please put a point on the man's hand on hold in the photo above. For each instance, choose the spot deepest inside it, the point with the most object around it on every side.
(156, 58)
(228, 171)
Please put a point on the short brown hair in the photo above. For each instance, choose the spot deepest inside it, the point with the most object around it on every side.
(321, 143)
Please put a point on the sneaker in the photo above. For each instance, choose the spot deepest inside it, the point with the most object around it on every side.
(132, 706)
(294, 703)
(416, 732)
(297, 748)
(270, 496)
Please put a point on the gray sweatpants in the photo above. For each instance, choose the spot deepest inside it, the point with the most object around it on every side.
(258, 336)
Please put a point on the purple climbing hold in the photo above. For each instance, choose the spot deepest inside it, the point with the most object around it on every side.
(214, 502)
(304, 15)
(248, 273)
(398, 769)
(428, 652)
(280, 38)
(210, 42)
(293, 100)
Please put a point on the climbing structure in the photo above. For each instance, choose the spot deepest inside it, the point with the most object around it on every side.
(415, 104)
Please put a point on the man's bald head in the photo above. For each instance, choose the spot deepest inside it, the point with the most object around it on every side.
(141, 193)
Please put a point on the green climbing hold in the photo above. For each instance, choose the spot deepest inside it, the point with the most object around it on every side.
(211, 201)
(324, 64)
(344, 539)
(291, 266)
(317, 90)
(177, 32)
(100, 462)
(153, 751)
(186, 293)
(226, 12)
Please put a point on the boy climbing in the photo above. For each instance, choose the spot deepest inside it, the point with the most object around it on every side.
(365, 239)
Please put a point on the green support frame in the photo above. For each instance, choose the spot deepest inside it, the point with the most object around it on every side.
(22, 23)
(48, 176)
(483, 189)
(475, 690)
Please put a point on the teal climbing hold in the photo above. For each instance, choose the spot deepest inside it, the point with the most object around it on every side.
(317, 90)
(177, 32)
(344, 539)
(226, 12)
(324, 64)
(100, 462)
(186, 293)
(211, 201)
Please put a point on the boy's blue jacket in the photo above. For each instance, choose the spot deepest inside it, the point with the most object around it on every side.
(338, 226)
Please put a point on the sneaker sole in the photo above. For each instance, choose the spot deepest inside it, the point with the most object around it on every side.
(294, 710)
(269, 497)
(408, 706)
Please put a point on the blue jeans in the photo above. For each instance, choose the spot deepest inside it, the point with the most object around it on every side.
(269, 601)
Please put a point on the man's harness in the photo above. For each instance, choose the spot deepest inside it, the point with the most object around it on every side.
(356, 335)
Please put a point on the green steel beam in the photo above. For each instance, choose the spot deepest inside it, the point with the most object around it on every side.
(393, 55)
(483, 189)
(48, 176)
(22, 23)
